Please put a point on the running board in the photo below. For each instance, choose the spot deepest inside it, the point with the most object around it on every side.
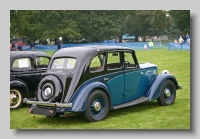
(134, 102)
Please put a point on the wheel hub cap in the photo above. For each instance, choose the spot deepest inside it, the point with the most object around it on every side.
(13, 98)
(47, 92)
(97, 106)
(167, 92)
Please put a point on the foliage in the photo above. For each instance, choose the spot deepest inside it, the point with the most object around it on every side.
(93, 25)
(182, 20)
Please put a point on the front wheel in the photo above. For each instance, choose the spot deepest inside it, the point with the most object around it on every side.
(168, 93)
(16, 99)
(97, 106)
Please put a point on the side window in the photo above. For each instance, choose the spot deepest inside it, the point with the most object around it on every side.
(41, 62)
(97, 63)
(113, 61)
(128, 60)
(22, 63)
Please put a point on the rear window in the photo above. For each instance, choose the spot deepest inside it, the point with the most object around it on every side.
(63, 63)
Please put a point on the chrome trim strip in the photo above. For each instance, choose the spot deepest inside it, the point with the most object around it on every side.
(63, 105)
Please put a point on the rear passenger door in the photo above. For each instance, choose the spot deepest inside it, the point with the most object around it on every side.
(114, 76)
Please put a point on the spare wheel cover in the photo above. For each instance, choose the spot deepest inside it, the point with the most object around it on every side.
(49, 89)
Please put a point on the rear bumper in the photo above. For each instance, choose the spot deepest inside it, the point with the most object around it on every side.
(62, 105)
(45, 108)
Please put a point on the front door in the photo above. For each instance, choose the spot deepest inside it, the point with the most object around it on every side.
(132, 75)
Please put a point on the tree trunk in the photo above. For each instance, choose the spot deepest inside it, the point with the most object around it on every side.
(136, 38)
(120, 38)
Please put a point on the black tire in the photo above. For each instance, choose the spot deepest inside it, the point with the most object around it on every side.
(16, 98)
(167, 94)
(97, 106)
(49, 89)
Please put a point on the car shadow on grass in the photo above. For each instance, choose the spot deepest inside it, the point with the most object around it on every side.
(79, 119)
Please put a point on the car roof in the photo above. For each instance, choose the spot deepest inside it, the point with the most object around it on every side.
(84, 51)
(16, 54)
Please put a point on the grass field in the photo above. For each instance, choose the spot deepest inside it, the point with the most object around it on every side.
(148, 115)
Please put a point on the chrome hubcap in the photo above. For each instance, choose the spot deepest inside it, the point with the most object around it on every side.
(167, 93)
(97, 106)
(47, 92)
(13, 98)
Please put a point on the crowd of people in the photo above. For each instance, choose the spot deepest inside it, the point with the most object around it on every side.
(184, 39)
(16, 46)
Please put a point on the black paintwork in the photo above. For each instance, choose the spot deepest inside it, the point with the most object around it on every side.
(25, 79)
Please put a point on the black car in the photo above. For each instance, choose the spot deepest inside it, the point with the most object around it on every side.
(92, 80)
(26, 68)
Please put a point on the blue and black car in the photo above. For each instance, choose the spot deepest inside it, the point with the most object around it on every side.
(92, 80)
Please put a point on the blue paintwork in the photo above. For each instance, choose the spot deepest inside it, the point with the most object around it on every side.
(153, 90)
(132, 82)
(122, 87)
(80, 98)
(116, 86)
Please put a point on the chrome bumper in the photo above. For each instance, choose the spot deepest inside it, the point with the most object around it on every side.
(62, 105)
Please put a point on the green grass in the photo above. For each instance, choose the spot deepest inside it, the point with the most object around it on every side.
(148, 115)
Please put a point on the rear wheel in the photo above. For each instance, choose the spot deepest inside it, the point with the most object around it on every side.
(168, 93)
(97, 106)
(16, 99)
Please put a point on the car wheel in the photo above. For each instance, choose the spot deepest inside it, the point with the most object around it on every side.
(49, 89)
(16, 99)
(168, 94)
(97, 106)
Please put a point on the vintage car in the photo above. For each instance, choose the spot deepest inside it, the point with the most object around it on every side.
(92, 80)
(26, 68)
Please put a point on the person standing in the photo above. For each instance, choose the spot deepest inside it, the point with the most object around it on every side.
(58, 42)
(188, 39)
(159, 41)
(13, 47)
(32, 45)
(184, 39)
(181, 41)
(19, 47)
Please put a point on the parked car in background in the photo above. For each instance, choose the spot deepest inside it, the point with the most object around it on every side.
(92, 80)
(26, 68)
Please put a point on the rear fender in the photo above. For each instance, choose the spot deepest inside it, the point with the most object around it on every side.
(153, 92)
(81, 95)
(19, 84)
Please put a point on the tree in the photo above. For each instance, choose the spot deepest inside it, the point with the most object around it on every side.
(181, 19)
(160, 21)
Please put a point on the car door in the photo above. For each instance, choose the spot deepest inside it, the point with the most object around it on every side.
(114, 76)
(133, 77)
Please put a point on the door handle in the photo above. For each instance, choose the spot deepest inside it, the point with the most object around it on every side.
(106, 79)
(141, 72)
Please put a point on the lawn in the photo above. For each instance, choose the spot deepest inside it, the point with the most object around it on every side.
(148, 115)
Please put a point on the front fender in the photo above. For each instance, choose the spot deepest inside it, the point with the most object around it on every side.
(19, 84)
(80, 98)
(153, 92)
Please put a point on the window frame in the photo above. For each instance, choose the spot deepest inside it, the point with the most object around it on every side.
(24, 68)
(120, 60)
(103, 63)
